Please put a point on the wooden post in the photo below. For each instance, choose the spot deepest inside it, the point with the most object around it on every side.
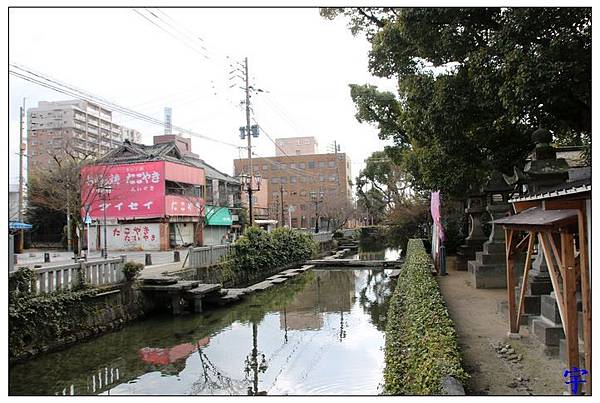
(585, 299)
(553, 276)
(510, 282)
(570, 300)
(525, 276)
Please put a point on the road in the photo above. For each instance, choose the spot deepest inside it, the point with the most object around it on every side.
(36, 257)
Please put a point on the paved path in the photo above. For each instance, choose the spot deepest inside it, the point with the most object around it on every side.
(480, 327)
(31, 257)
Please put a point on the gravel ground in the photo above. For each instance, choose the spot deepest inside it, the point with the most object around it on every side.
(497, 365)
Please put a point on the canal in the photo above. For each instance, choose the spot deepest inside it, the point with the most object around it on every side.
(319, 333)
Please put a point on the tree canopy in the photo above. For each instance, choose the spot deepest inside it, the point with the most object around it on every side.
(473, 84)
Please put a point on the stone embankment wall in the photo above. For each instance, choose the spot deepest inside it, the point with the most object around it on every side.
(49, 322)
(421, 353)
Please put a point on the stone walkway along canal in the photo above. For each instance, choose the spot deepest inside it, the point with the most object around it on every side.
(321, 332)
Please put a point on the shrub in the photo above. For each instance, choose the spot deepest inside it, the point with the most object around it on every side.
(21, 282)
(259, 251)
(38, 320)
(421, 346)
(132, 269)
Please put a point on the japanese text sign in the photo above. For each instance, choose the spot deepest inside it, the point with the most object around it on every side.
(123, 191)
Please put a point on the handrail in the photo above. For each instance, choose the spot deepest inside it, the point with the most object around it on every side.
(66, 277)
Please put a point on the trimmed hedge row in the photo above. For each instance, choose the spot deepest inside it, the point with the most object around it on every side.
(421, 346)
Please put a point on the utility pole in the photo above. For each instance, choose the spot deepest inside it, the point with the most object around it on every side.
(281, 191)
(68, 218)
(249, 135)
(317, 199)
(21, 151)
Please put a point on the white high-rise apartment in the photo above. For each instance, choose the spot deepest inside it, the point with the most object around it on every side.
(81, 127)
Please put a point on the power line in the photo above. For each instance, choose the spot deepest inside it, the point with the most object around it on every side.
(45, 81)
(177, 38)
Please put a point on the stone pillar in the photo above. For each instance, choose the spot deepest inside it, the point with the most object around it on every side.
(488, 270)
(476, 238)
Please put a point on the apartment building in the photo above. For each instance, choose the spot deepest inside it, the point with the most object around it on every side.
(81, 127)
(296, 146)
(296, 177)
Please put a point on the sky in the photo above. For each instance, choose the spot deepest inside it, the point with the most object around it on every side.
(303, 62)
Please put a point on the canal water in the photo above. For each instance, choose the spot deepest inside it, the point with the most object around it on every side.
(319, 333)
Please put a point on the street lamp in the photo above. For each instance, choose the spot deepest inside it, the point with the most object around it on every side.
(317, 201)
(247, 183)
(104, 190)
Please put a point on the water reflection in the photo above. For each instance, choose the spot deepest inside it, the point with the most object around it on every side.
(321, 333)
(377, 254)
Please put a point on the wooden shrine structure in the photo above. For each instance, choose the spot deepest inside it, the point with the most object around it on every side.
(558, 220)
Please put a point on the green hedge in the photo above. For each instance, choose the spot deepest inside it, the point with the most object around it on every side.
(258, 251)
(421, 346)
(38, 320)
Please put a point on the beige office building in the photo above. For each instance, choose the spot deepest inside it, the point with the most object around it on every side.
(297, 176)
(296, 146)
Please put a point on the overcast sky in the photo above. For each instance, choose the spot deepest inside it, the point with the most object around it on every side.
(303, 60)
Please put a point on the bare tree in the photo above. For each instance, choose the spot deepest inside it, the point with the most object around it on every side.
(58, 187)
(337, 210)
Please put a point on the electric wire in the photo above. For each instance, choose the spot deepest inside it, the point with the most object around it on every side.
(67, 89)
(177, 38)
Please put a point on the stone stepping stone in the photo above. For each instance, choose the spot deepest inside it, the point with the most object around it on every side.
(275, 277)
(203, 289)
(160, 280)
(239, 291)
(278, 280)
(304, 268)
(263, 285)
(394, 273)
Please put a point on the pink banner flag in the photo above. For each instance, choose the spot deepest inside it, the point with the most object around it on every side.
(436, 214)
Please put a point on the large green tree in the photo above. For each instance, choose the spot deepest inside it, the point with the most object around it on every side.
(473, 83)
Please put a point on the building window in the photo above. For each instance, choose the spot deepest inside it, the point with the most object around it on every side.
(322, 164)
(322, 178)
(311, 164)
(302, 165)
(284, 179)
(297, 152)
(307, 142)
(274, 179)
(331, 164)
(265, 167)
(292, 165)
(293, 179)
(274, 167)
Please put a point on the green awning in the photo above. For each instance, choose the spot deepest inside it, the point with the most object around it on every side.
(218, 216)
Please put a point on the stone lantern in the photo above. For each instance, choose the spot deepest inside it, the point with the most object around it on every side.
(544, 170)
(488, 270)
(475, 208)
(497, 193)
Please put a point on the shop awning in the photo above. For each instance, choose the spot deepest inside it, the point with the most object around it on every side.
(218, 216)
(18, 225)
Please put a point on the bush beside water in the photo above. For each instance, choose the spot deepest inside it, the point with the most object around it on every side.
(258, 251)
(421, 346)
